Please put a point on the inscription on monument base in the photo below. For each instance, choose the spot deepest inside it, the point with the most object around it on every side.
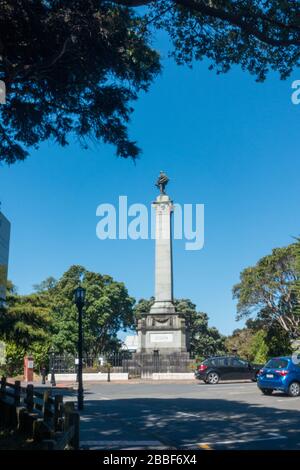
(161, 337)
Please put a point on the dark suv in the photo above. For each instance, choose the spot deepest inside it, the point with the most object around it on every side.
(226, 368)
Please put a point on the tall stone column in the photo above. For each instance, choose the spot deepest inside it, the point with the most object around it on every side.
(162, 330)
(163, 256)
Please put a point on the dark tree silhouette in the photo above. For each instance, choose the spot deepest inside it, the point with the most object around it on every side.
(74, 66)
(70, 67)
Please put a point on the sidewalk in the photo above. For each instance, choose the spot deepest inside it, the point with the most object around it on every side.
(128, 382)
(46, 386)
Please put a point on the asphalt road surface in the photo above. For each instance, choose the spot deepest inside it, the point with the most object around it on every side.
(188, 416)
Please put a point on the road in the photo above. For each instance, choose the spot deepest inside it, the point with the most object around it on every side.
(188, 416)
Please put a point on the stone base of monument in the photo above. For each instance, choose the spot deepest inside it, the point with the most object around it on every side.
(176, 365)
(163, 333)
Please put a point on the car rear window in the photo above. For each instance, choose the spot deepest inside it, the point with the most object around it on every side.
(217, 361)
(277, 364)
(210, 362)
(223, 361)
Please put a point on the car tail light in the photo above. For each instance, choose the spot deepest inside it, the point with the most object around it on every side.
(202, 367)
(282, 372)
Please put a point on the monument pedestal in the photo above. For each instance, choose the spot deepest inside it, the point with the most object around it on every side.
(162, 345)
(165, 333)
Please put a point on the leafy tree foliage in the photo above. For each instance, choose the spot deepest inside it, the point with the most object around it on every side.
(31, 324)
(258, 35)
(25, 319)
(14, 359)
(240, 343)
(276, 338)
(259, 341)
(204, 340)
(108, 308)
(278, 341)
(266, 291)
(74, 66)
(71, 67)
(25, 326)
(46, 285)
(259, 348)
(297, 282)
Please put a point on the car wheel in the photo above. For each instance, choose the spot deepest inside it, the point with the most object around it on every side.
(212, 378)
(294, 389)
(267, 391)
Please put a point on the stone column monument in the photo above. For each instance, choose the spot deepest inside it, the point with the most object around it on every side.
(163, 330)
(163, 256)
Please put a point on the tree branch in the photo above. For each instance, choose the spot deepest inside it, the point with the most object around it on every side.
(237, 20)
(30, 69)
(240, 20)
(133, 3)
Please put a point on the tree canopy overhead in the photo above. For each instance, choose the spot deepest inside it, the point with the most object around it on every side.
(73, 67)
(70, 67)
(258, 34)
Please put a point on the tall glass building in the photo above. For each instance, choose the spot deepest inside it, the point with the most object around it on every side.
(4, 251)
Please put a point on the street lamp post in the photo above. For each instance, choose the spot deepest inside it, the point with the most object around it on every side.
(79, 297)
(52, 381)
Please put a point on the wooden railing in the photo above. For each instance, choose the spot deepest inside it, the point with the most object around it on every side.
(38, 415)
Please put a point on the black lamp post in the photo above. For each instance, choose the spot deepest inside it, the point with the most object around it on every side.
(52, 381)
(79, 297)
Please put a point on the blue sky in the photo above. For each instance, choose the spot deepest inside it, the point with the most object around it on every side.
(225, 141)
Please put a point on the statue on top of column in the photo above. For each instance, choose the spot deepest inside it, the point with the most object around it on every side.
(162, 182)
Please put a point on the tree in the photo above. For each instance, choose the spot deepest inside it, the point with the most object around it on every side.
(74, 66)
(25, 327)
(240, 342)
(31, 324)
(258, 35)
(259, 347)
(278, 341)
(204, 340)
(24, 319)
(259, 341)
(71, 67)
(266, 291)
(297, 282)
(276, 338)
(108, 308)
(46, 285)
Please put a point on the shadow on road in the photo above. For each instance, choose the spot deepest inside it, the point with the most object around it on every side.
(183, 422)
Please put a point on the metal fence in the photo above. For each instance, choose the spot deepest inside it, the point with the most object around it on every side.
(67, 363)
(135, 364)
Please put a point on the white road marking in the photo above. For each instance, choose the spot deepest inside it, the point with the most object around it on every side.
(284, 399)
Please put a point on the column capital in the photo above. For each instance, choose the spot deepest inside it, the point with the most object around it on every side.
(163, 198)
(162, 203)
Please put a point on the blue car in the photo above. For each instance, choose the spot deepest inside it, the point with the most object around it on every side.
(280, 373)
